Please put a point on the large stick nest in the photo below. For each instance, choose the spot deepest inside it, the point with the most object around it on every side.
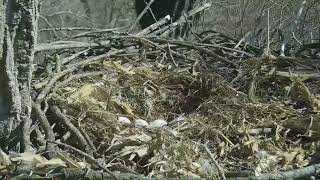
(167, 108)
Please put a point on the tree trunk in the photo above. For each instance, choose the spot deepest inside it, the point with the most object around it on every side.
(18, 53)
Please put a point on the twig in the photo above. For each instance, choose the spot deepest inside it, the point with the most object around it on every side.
(90, 158)
(74, 130)
(71, 68)
(78, 29)
(68, 45)
(50, 25)
(154, 26)
(98, 31)
(50, 84)
(45, 125)
(193, 46)
(220, 170)
(141, 14)
(95, 59)
(294, 174)
(268, 32)
(88, 139)
(182, 20)
(68, 59)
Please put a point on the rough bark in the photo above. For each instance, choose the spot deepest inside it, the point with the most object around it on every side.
(18, 54)
(9, 92)
(2, 24)
(25, 47)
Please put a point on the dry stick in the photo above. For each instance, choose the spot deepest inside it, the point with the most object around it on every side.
(268, 33)
(294, 174)
(80, 29)
(73, 56)
(70, 78)
(193, 46)
(74, 130)
(171, 56)
(145, 41)
(44, 124)
(73, 173)
(50, 84)
(218, 46)
(39, 135)
(137, 53)
(189, 26)
(68, 45)
(154, 26)
(68, 29)
(65, 137)
(182, 20)
(85, 34)
(242, 40)
(71, 68)
(79, 76)
(88, 139)
(220, 170)
(141, 14)
(75, 77)
(50, 25)
(90, 158)
(95, 59)
(222, 47)
(314, 63)
(151, 29)
(197, 47)
(64, 45)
